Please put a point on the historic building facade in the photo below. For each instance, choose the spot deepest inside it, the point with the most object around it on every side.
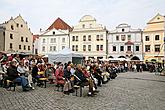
(153, 39)
(89, 38)
(125, 42)
(55, 38)
(15, 36)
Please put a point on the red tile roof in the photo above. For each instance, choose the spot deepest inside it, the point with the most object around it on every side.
(60, 24)
(35, 37)
(129, 43)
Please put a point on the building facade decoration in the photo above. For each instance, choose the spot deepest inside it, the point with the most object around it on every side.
(125, 42)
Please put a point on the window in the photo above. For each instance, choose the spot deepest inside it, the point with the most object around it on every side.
(73, 38)
(114, 48)
(11, 45)
(101, 47)
(83, 26)
(97, 47)
(54, 48)
(147, 38)
(21, 39)
(63, 47)
(12, 27)
(129, 37)
(157, 48)
(21, 25)
(26, 39)
(76, 47)
(101, 37)
(121, 48)
(76, 38)
(3, 33)
(97, 37)
(89, 37)
(17, 25)
(122, 30)
(156, 37)
(147, 48)
(53, 32)
(28, 47)
(90, 25)
(84, 38)
(123, 37)
(51, 48)
(24, 47)
(53, 40)
(63, 40)
(84, 47)
(117, 38)
(73, 48)
(128, 48)
(137, 48)
(43, 40)
(11, 36)
(19, 46)
(89, 47)
(43, 48)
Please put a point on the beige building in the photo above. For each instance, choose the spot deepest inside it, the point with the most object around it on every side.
(89, 38)
(15, 36)
(153, 39)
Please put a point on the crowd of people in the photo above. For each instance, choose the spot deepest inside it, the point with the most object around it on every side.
(27, 70)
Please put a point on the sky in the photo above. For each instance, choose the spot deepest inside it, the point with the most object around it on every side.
(110, 13)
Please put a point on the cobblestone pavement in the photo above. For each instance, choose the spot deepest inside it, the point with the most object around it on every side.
(129, 91)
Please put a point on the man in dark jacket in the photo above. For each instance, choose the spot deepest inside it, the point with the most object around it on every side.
(14, 76)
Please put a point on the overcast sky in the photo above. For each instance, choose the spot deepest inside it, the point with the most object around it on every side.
(42, 13)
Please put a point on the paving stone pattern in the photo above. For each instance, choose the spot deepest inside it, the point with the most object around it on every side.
(129, 91)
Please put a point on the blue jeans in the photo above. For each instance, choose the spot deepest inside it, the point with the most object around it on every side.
(22, 80)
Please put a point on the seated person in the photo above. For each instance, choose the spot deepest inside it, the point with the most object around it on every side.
(13, 75)
(68, 86)
(82, 81)
(59, 74)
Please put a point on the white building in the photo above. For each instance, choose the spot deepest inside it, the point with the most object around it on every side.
(55, 38)
(125, 42)
(89, 38)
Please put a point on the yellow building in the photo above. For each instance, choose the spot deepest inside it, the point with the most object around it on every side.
(89, 38)
(15, 36)
(153, 39)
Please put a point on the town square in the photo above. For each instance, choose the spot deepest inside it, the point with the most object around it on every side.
(82, 55)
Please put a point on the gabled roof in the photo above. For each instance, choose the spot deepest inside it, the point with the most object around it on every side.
(60, 24)
(157, 18)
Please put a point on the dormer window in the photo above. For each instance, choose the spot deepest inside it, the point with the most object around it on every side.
(83, 26)
(53, 32)
(17, 25)
(12, 27)
(122, 30)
